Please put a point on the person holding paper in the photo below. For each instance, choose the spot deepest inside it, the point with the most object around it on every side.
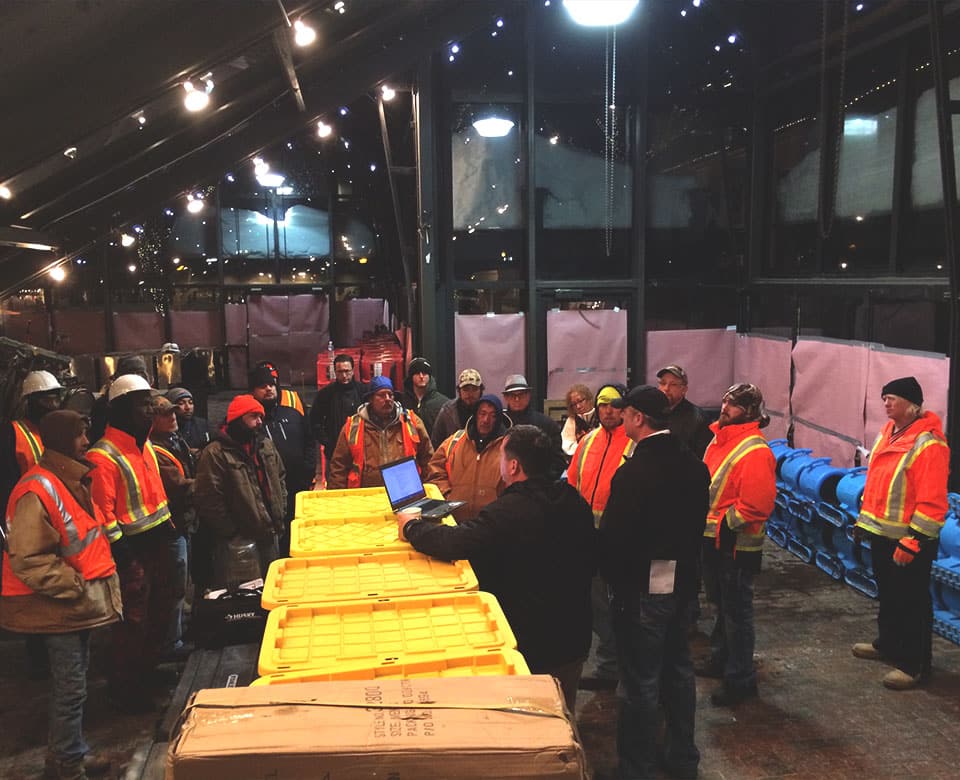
(650, 540)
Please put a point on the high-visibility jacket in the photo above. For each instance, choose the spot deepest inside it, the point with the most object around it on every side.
(83, 544)
(127, 485)
(29, 448)
(463, 474)
(743, 485)
(906, 487)
(355, 427)
(597, 457)
(291, 398)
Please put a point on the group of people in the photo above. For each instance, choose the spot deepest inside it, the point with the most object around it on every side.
(653, 502)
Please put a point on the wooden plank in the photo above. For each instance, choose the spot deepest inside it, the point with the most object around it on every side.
(238, 666)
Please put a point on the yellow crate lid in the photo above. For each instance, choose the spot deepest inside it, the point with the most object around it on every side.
(326, 637)
(363, 576)
(365, 504)
(349, 531)
(494, 662)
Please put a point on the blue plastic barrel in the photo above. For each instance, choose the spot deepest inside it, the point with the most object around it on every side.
(950, 538)
(794, 465)
(819, 480)
(850, 489)
(831, 564)
(859, 579)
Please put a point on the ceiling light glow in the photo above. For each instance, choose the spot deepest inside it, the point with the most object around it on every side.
(5, 193)
(58, 274)
(323, 129)
(127, 240)
(198, 98)
(303, 33)
(493, 126)
(388, 92)
(600, 13)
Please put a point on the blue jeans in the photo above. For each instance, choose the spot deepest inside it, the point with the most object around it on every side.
(733, 637)
(178, 551)
(606, 644)
(69, 658)
(655, 668)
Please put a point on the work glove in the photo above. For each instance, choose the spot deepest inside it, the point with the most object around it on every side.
(906, 551)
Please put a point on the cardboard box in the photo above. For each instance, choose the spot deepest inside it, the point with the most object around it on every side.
(421, 729)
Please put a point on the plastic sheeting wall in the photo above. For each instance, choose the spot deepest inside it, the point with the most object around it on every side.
(288, 330)
(494, 344)
(136, 330)
(706, 356)
(80, 331)
(588, 346)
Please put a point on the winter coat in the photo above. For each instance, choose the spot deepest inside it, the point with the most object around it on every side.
(534, 548)
(688, 424)
(291, 435)
(331, 408)
(380, 446)
(62, 600)
(464, 474)
(453, 416)
(228, 496)
(428, 407)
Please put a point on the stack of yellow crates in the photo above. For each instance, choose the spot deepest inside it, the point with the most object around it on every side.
(355, 602)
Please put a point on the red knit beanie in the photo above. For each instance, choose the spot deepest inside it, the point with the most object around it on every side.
(242, 404)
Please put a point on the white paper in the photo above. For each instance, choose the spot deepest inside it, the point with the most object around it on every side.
(662, 575)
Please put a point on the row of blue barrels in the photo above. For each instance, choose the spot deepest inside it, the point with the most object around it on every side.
(816, 509)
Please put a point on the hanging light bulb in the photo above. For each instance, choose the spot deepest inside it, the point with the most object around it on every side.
(493, 126)
(5, 193)
(194, 204)
(198, 98)
(58, 274)
(600, 13)
(127, 240)
(388, 92)
(323, 129)
(303, 33)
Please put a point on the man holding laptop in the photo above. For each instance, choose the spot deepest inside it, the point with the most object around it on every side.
(534, 548)
(381, 432)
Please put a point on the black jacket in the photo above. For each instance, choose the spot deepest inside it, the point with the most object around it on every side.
(656, 511)
(290, 433)
(534, 549)
(195, 431)
(428, 407)
(331, 408)
(688, 424)
(531, 417)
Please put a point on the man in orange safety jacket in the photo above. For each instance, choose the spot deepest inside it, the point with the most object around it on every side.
(742, 492)
(902, 512)
(381, 432)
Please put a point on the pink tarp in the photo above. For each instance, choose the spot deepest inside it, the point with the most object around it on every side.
(235, 315)
(137, 330)
(931, 370)
(494, 344)
(357, 317)
(30, 327)
(289, 331)
(80, 331)
(765, 362)
(196, 329)
(706, 356)
(585, 346)
(824, 445)
(830, 378)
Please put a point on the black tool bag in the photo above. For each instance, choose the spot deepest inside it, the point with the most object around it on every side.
(232, 619)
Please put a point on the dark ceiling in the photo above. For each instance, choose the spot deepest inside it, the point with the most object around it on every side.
(78, 76)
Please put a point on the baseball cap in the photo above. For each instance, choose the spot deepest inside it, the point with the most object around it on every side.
(644, 398)
(678, 372)
(469, 376)
(516, 383)
(162, 406)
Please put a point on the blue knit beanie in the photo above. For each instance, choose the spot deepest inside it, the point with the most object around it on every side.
(378, 383)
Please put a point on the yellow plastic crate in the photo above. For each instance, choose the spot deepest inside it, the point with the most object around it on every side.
(495, 662)
(341, 530)
(364, 576)
(328, 637)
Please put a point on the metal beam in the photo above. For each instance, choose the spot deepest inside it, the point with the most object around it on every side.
(281, 42)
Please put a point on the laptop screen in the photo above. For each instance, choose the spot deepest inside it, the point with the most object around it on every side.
(402, 481)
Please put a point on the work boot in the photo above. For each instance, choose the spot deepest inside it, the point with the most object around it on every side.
(866, 651)
(899, 680)
(730, 697)
(708, 668)
(54, 769)
(96, 764)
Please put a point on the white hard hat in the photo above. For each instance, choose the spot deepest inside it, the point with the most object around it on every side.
(39, 382)
(127, 383)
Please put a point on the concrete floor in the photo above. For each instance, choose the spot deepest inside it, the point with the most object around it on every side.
(821, 713)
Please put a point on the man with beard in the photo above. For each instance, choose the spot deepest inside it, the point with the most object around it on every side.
(466, 466)
(194, 430)
(420, 392)
(240, 491)
(333, 404)
(453, 415)
(60, 581)
(129, 490)
(288, 430)
(381, 431)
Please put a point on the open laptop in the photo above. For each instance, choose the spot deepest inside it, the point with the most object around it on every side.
(405, 490)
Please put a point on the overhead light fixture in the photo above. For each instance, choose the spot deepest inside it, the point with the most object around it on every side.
(194, 204)
(340, 6)
(26, 238)
(198, 97)
(140, 118)
(127, 240)
(388, 92)
(493, 126)
(323, 129)
(57, 273)
(303, 33)
(5, 193)
(271, 180)
(600, 13)
(70, 152)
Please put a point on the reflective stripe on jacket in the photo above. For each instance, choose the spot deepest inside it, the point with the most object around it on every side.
(743, 484)
(83, 544)
(355, 427)
(906, 487)
(29, 448)
(597, 457)
(291, 398)
(127, 484)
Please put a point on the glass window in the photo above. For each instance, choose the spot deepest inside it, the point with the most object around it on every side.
(676, 308)
(494, 300)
